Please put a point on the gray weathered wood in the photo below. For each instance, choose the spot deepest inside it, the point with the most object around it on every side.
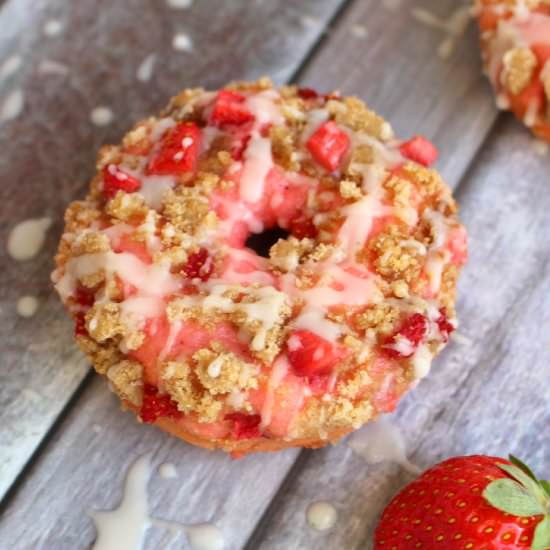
(48, 152)
(486, 394)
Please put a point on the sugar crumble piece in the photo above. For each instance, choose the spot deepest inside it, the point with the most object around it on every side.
(126, 378)
(519, 67)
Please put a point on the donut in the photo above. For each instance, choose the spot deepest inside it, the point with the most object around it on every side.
(262, 268)
(515, 42)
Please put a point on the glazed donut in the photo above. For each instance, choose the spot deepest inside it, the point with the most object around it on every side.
(515, 41)
(223, 347)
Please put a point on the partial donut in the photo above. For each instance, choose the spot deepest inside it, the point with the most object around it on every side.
(223, 347)
(515, 40)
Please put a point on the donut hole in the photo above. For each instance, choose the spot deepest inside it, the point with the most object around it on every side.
(262, 242)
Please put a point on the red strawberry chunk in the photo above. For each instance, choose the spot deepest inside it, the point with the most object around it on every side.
(199, 265)
(303, 228)
(115, 179)
(84, 296)
(307, 93)
(419, 149)
(328, 145)
(310, 355)
(179, 151)
(445, 327)
(245, 426)
(414, 330)
(80, 325)
(230, 109)
(156, 405)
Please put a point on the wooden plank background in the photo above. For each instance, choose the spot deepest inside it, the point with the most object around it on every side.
(489, 390)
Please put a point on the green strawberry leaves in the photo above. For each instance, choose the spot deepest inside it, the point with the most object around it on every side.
(522, 494)
(510, 496)
(541, 540)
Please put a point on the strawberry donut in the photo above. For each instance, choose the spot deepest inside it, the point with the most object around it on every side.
(515, 40)
(294, 341)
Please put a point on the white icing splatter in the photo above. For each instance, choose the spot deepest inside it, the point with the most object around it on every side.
(124, 527)
(27, 306)
(359, 31)
(12, 106)
(179, 4)
(52, 67)
(182, 42)
(96, 428)
(53, 27)
(27, 238)
(321, 515)
(380, 441)
(101, 116)
(167, 471)
(10, 66)
(309, 21)
(145, 70)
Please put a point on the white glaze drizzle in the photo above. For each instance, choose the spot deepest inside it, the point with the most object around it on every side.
(12, 105)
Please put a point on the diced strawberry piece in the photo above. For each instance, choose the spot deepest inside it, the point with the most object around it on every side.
(310, 355)
(419, 149)
(199, 265)
(80, 325)
(115, 179)
(414, 330)
(307, 93)
(230, 109)
(179, 151)
(245, 426)
(303, 228)
(328, 145)
(84, 296)
(445, 327)
(156, 405)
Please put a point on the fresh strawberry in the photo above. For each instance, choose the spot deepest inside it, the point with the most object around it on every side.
(178, 152)
(469, 502)
(419, 149)
(156, 405)
(303, 228)
(199, 265)
(328, 145)
(230, 109)
(115, 179)
(310, 355)
(245, 426)
(405, 341)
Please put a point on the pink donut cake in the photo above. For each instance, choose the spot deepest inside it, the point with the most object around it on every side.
(515, 40)
(201, 335)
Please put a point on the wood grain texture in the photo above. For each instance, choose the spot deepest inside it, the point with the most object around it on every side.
(488, 393)
(396, 69)
(48, 152)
